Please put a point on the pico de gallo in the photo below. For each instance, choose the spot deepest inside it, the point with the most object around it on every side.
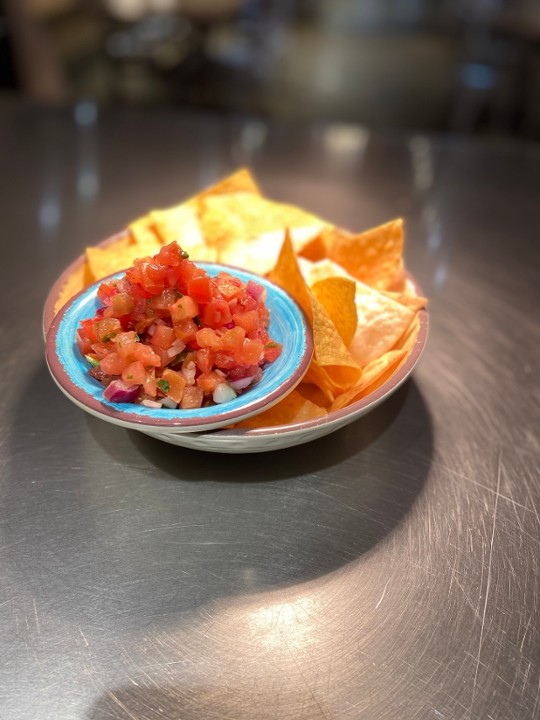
(169, 335)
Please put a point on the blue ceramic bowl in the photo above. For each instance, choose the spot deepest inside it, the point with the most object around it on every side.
(69, 369)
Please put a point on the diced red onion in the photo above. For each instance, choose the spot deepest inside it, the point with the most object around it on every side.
(255, 290)
(229, 325)
(119, 391)
(241, 383)
(223, 393)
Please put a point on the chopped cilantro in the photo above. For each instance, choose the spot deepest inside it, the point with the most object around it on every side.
(163, 385)
(184, 254)
(271, 345)
(93, 362)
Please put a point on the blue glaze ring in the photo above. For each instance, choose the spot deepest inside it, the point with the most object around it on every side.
(288, 326)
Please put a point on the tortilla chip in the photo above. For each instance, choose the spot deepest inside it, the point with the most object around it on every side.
(412, 301)
(314, 394)
(318, 377)
(259, 255)
(375, 257)
(293, 408)
(287, 274)
(74, 284)
(313, 248)
(143, 234)
(337, 296)
(239, 181)
(181, 224)
(118, 255)
(381, 321)
(329, 349)
(372, 377)
(228, 218)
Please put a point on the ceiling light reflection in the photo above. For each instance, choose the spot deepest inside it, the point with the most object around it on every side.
(422, 162)
(345, 140)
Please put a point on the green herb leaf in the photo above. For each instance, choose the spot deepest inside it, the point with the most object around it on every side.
(184, 254)
(163, 385)
(93, 362)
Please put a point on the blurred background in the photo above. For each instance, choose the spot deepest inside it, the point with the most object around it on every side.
(467, 66)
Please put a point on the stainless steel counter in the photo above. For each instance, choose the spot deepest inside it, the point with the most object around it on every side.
(390, 570)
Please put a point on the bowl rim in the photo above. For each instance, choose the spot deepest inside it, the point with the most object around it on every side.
(358, 407)
(179, 423)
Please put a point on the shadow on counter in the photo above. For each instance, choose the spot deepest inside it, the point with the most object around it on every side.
(119, 510)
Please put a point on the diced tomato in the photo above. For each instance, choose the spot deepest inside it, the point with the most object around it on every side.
(249, 320)
(163, 336)
(164, 358)
(187, 271)
(87, 330)
(186, 331)
(185, 308)
(107, 328)
(134, 373)
(106, 291)
(122, 304)
(205, 360)
(224, 361)
(207, 337)
(199, 289)
(216, 314)
(233, 339)
(162, 301)
(229, 286)
(208, 382)
(176, 384)
(272, 351)
(146, 355)
(171, 255)
(101, 350)
(251, 352)
(150, 383)
(125, 344)
(112, 364)
(83, 343)
(192, 398)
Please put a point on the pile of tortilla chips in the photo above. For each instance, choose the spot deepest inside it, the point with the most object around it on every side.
(352, 287)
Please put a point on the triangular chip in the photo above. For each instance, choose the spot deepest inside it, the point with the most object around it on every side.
(181, 224)
(240, 181)
(337, 296)
(381, 320)
(329, 349)
(104, 260)
(375, 257)
(373, 376)
(287, 274)
(293, 408)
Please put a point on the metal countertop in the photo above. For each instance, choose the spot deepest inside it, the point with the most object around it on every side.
(390, 570)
